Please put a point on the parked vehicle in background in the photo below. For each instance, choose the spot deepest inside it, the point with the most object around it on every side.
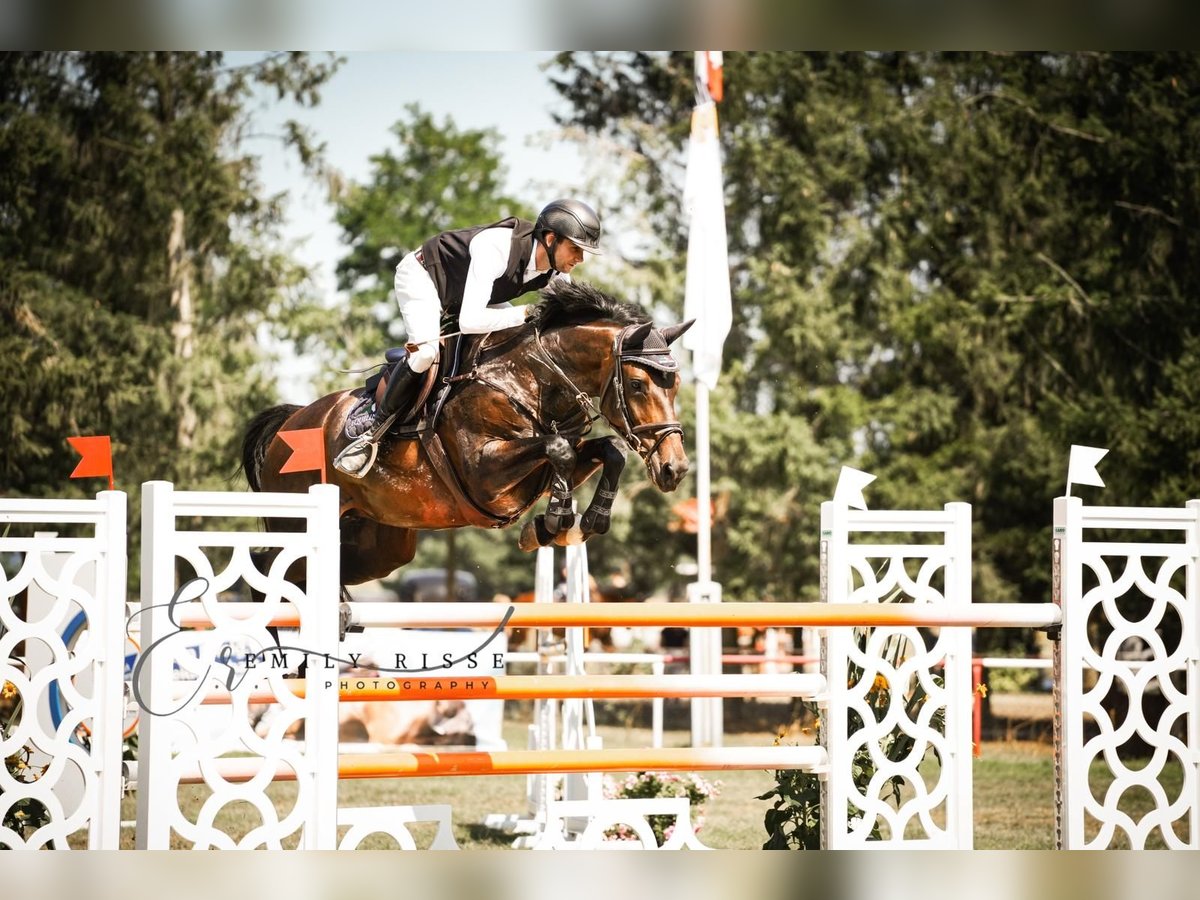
(429, 586)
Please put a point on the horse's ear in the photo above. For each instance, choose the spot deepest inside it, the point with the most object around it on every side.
(639, 334)
(671, 332)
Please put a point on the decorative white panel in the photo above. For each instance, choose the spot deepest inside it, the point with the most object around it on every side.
(55, 577)
(878, 676)
(603, 816)
(393, 821)
(196, 547)
(1127, 674)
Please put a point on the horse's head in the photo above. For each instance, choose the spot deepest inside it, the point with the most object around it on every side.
(610, 347)
(639, 399)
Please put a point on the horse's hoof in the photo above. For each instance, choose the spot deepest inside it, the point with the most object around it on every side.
(570, 537)
(556, 523)
(534, 534)
(528, 541)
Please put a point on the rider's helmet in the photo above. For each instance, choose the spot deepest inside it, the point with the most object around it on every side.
(572, 219)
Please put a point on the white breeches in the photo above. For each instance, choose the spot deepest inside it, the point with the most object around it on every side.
(417, 297)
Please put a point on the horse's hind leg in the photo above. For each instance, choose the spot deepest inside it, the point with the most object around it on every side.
(371, 550)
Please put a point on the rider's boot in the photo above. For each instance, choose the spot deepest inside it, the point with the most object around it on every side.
(368, 423)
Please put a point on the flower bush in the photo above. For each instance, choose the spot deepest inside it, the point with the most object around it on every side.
(661, 784)
(26, 815)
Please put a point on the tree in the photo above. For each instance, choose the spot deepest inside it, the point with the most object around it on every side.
(947, 268)
(439, 177)
(138, 260)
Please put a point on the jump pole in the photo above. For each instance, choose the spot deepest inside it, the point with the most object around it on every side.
(427, 686)
(785, 615)
(237, 770)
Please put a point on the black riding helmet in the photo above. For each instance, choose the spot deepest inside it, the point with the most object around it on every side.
(572, 219)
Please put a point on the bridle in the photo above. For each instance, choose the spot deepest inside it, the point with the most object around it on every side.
(631, 433)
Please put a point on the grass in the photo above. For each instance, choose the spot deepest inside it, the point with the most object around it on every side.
(1013, 796)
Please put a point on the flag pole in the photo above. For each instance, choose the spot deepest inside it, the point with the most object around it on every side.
(707, 300)
(707, 713)
(703, 487)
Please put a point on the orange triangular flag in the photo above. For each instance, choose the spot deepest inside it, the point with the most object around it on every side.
(308, 451)
(95, 457)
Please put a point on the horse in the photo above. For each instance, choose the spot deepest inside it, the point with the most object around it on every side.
(508, 430)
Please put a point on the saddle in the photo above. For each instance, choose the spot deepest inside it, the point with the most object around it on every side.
(414, 415)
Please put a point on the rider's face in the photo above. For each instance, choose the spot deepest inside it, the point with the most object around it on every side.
(567, 254)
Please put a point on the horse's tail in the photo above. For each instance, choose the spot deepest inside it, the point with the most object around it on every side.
(259, 434)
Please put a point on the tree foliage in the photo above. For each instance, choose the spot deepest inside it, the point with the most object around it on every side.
(947, 268)
(139, 258)
(437, 177)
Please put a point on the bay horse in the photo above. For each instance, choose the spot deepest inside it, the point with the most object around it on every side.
(510, 430)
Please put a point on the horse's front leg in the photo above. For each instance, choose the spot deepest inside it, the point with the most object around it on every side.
(560, 512)
(555, 525)
(606, 452)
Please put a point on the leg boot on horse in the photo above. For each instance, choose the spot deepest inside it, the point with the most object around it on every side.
(560, 511)
(368, 424)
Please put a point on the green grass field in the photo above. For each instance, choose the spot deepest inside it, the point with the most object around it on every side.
(1013, 796)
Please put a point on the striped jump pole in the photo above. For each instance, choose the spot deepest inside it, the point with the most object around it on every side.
(238, 770)
(762, 615)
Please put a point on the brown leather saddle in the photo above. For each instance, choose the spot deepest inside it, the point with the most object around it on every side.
(414, 414)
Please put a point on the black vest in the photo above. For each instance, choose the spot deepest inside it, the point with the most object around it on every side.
(447, 257)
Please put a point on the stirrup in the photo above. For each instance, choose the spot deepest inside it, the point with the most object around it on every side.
(358, 457)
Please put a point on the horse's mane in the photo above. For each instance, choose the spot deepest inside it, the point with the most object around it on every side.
(571, 303)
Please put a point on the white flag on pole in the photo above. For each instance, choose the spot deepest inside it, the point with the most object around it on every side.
(850, 486)
(706, 295)
(1082, 467)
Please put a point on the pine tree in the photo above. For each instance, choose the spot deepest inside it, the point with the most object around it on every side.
(948, 268)
(138, 259)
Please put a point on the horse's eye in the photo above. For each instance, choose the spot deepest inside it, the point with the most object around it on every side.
(638, 386)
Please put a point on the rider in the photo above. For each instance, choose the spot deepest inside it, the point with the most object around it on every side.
(470, 274)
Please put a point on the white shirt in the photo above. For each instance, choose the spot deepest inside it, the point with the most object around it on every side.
(489, 260)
